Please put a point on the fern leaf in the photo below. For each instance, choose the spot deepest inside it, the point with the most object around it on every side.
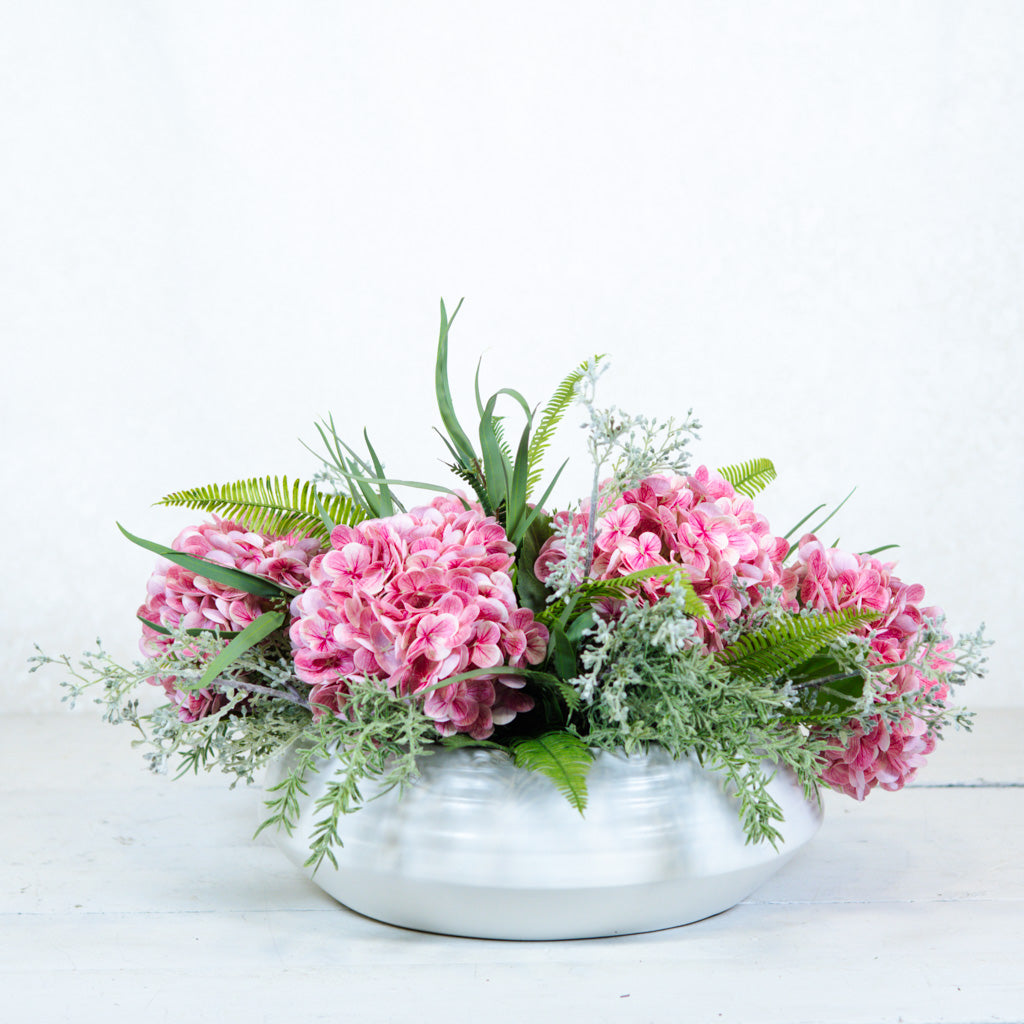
(770, 652)
(592, 591)
(750, 477)
(560, 401)
(563, 757)
(270, 505)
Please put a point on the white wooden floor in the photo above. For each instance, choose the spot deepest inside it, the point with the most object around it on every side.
(129, 897)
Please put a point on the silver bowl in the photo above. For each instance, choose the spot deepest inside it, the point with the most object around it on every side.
(478, 847)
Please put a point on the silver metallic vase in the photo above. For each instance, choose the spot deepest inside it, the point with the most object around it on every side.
(478, 847)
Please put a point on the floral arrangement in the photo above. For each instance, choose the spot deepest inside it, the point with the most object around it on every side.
(660, 609)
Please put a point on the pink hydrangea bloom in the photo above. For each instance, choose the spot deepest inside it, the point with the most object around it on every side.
(697, 521)
(176, 596)
(827, 579)
(412, 600)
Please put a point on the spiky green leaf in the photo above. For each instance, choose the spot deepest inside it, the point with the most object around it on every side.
(750, 477)
(270, 505)
(563, 757)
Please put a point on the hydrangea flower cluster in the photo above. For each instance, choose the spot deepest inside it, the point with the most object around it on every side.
(696, 521)
(178, 597)
(413, 599)
(886, 754)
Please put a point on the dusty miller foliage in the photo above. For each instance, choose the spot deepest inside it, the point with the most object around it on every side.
(632, 447)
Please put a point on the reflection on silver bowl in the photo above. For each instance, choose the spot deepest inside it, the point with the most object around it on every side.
(478, 847)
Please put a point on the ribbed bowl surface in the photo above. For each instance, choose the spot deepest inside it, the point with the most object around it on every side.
(478, 847)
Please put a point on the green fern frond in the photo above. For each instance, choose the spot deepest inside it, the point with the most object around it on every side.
(563, 757)
(592, 591)
(549, 420)
(774, 650)
(750, 477)
(270, 505)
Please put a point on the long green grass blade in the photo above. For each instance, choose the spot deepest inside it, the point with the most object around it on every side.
(515, 508)
(816, 528)
(256, 631)
(387, 503)
(827, 518)
(789, 533)
(325, 517)
(237, 578)
(445, 405)
(879, 550)
(496, 469)
(539, 507)
(226, 634)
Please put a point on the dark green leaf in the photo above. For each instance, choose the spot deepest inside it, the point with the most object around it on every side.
(236, 578)
(224, 633)
(579, 625)
(461, 740)
(561, 653)
(256, 631)
(495, 468)
(515, 509)
(387, 505)
(532, 593)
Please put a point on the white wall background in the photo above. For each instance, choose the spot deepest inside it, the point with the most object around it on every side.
(219, 221)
